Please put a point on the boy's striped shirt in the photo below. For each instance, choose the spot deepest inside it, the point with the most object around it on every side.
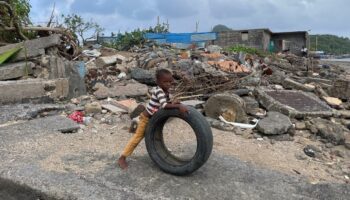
(158, 100)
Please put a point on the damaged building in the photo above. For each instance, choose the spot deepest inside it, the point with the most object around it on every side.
(264, 39)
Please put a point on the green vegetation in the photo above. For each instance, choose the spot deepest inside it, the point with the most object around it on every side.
(330, 44)
(127, 40)
(220, 28)
(249, 50)
(79, 27)
(18, 15)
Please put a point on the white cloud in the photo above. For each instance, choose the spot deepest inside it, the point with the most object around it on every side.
(321, 16)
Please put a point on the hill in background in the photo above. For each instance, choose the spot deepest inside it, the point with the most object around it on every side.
(330, 44)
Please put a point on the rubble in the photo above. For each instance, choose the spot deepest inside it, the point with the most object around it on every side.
(333, 133)
(16, 70)
(274, 124)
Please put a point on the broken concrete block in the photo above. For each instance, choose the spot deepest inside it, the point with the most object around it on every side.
(291, 84)
(109, 60)
(229, 106)
(341, 89)
(24, 90)
(143, 76)
(113, 109)
(293, 103)
(332, 101)
(129, 90)
(274, 124)
(94, 108)
(33, 48)
(16, 70)
(193, 103)
(333, 133)
(129, 104)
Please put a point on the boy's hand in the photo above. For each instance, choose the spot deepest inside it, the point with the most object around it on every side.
(183, 109)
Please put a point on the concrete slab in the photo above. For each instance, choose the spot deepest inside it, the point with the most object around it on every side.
(293, 103)
(33, 48)
(87, 173)
(31, 89)
(15, 70)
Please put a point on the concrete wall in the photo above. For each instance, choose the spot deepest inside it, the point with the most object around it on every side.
(258, 38)
(294, 41)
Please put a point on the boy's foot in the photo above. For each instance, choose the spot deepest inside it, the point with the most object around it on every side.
(122, 163)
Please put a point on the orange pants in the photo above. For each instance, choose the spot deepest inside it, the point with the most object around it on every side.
(137, 137)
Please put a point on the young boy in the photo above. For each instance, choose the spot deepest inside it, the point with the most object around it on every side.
(160, 99)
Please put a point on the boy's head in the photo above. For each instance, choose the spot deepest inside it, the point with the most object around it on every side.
(164, 79)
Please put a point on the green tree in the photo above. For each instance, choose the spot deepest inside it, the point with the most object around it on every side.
(221, 28)
(79, 27)
(13, 13)
(330, 44)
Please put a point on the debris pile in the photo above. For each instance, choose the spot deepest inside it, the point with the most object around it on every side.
(40, 70)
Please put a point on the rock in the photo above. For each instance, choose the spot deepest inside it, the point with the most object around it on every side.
(338, 153)
(113, 109)
(214, 49)
(300, 126)
(32, 48)
(229, 106)
(341, 88)
(330, 131)
(344, 114)
(128, 105)
(332, 101)
(291, 84)
(329, 145)
(347, 141)
(94, 108)
(109, 60)
(274, 124)
(252, 105)
(311, 151)
(283, 137)
(143, 76)
(16, 70)
(129, 90)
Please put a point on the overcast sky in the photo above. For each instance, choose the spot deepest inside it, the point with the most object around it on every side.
(319, 16)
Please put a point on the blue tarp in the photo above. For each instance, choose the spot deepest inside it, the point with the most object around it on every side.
(185, 38)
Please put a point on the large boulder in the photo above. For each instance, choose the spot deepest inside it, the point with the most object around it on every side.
(229, 106)
(274, 124)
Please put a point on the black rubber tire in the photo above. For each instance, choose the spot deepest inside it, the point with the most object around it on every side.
(158, 151)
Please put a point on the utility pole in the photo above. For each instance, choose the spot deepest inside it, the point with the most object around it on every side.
(197, 26)
(158, 20)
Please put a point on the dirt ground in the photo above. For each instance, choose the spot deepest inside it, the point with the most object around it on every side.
(100, 143)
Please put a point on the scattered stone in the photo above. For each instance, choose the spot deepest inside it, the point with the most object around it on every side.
(93, 108)
(104, 111)
(344, 114)
(127, 105)
(252, 105)
(338, 153)
(332, 101)
(309, 151)
(328, 130)
(329, 145)
(274, 124)
(300, 126)
(113, 109)
(109, 60)
(341, 88)
(16, 70)
(229, 106)
(143, 76)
